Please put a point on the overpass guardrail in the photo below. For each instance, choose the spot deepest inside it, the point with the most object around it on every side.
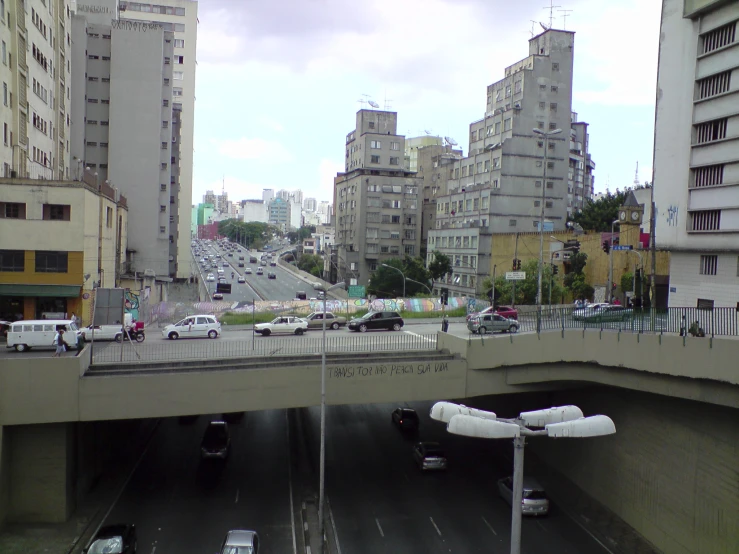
(714, 322)
(207, 349)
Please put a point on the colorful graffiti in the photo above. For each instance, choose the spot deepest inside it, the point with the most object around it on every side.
(132, 303)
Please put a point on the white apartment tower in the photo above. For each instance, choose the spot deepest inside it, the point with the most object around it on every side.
(181, 18)
(35, 74)
(696, 151)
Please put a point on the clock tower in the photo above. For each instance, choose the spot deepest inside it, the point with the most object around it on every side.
(630, 216)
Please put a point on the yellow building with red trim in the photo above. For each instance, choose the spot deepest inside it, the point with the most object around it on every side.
(59, 240)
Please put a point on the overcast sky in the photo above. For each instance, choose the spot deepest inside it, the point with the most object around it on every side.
(278, 82)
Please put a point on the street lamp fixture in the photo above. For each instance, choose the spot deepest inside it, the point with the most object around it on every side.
(557, 422)
(401, 274)
(546, 135)
(322, 454)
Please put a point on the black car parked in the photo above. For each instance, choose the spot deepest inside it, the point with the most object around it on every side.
(216, 441)
(377, 320)
(114, 538)
(405, 418)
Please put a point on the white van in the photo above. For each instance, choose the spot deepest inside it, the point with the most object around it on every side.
(40, 333)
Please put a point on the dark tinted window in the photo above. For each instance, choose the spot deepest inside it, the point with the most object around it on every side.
(51, 262)
(534, 495)
(12, 260)
(409, 414)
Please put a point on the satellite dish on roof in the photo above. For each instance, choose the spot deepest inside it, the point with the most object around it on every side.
(450, 141)
(545, 27)
(427, 131)
(373, 103)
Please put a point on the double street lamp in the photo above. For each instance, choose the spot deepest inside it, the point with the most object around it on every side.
(557, 422)
(322, 454)
(546, 135)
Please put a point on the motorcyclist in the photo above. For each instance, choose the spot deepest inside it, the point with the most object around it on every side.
(232, 275)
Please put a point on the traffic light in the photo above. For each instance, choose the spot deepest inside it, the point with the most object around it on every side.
(606, 247)
(445, 296)
(555, 269)
(514, 264)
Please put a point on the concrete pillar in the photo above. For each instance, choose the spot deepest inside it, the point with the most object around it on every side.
(40, 472)
(4, 474)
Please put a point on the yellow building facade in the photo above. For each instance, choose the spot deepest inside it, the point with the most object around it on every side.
(59, 240)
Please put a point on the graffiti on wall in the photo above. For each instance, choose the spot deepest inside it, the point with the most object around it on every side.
(132, 303)
(672, 216)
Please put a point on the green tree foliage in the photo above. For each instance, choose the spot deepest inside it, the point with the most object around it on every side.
(311, 263)
(251, 234)
(526, 289)
(627, 282)
(388, 283)
(574, 281)
(598, 215)
(296, 237)
(440, 265)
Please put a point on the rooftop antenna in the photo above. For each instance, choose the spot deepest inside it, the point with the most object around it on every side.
(533, 23)
(364, 100)
(428, 131)
(386, 103)
(551, 7)
(565, 15)
(636, 175)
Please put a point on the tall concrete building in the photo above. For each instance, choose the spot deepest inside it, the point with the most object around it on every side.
(696, 151)
(181, 18)
(254, 210)
(412, 146)
(268, 195)
(35, 76)
(500, 185)
(376, 201)
(310, 204)
(580, 178)
(279, 213)
(130, 141)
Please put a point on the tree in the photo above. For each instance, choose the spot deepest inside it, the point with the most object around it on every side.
(386, 282)
(252, 234)
(440, 265)
(598, 215)
(527, 288)
(311, 263)
(574, 281)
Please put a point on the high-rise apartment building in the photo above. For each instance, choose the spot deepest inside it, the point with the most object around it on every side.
(130, 141)
(412, 146)
(580, 179)
(499, 187)
(376, 201)
(279, 213)
(181, 18)
(433, 164)
(35, 74)
(696, 151)
(310, 204)
(268, 195)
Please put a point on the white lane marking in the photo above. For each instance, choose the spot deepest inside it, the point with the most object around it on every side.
(435, 526)
(419, 336)
(490, 526)
(237, 497)
(540, 524)
(153, 550)
(377, 521)
(290, 483)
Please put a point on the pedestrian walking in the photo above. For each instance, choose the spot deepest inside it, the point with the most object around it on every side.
(80, 343)
(59, 343)
(75, 319)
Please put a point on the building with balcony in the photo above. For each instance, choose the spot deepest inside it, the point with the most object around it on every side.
(580, 179)
(696, 151)
(377, 202)
(59, 240)
(435, 166)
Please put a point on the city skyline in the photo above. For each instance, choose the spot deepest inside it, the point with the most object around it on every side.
(303, 78)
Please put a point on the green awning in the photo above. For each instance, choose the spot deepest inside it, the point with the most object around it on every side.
(59, 291)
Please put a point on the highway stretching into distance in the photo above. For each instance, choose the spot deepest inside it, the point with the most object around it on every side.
(379, 499)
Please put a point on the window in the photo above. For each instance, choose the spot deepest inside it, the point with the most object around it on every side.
(551, 145)
(555, 88)
(162, 229)
(553, 106)
(51, 262)
(178, 75)
(705, 220)
(468, 205)
(5, 94)
(12, 260)
(550, 184)
(709, 265)
(167, 61)
(164, 166)
(179, 60)
(164, 146)
(176, 91)
(540, 124)
(394, 146)
(394, 161)
(496, 163)
(708, 176)
(109, 217)
(550, 165)
(552, 126)
(511, 222)
(711, 130)
(179, 43)
(56, 212)
(162, 208)
(165, 103)
(497, 128)
(375, 159)
(165, 124)
(548, 204)
(12, 210)
(376, 144)
(5, 53)
(163, 187)
(517, 86)
(508, 91)
(371, 125)
(484, 202)
(394, 234)
(537, 203)
(555, 66)
(507, 124)
(542, 105)
(487, 166)
(718, 38)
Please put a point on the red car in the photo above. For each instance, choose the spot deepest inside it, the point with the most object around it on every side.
(505, 311)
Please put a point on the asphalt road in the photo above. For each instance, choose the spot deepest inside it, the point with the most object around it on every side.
(180, 504)
(381, 502)
(284, 287)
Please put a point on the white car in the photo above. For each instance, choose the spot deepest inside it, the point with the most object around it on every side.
(210, 278)
(193, 326)
(283, 324)
(247, 271)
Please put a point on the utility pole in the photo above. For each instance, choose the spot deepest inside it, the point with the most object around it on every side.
(653, 248)
(515, 257)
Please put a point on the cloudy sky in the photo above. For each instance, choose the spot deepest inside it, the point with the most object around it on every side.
(279, 82)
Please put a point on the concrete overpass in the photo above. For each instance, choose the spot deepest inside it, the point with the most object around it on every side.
(671, 470)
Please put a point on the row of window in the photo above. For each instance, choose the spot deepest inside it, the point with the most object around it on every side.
(45, 261)
(458, 241)
(392, 189)
(177, 59)
(41, 59)
(394, 160)
(409, 249)
(40, 25)
(151, 8)
(40, 123)
(711, 130)
(50, 212)
(39, 90)
(41, 157)
(468, 205)
(377, 145)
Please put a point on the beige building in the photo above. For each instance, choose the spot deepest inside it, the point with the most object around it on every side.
(35, 73)
(59, 240)
(414, 144)
(377, 203)
(696, 151)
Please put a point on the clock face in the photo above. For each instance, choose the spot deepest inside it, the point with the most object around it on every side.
(622, 216)
(634, 216)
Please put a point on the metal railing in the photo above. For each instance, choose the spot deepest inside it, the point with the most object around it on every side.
(157, 349)
(715, 322)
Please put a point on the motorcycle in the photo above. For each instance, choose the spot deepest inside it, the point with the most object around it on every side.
(232, 275)
(132, 333)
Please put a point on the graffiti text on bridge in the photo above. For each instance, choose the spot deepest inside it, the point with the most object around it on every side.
(386, 370)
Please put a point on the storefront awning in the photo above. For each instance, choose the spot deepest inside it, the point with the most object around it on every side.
(57, 291)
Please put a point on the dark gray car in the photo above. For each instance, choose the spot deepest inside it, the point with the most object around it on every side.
(390, 321)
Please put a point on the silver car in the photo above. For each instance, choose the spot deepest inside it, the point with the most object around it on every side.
(240, 541)
(429, 456)
(534, 501)
(490, 323)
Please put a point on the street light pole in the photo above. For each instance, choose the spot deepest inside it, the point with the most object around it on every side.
(610, 265)
(546, 135)
(401, 274)
(558, 422)
(322, 449)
